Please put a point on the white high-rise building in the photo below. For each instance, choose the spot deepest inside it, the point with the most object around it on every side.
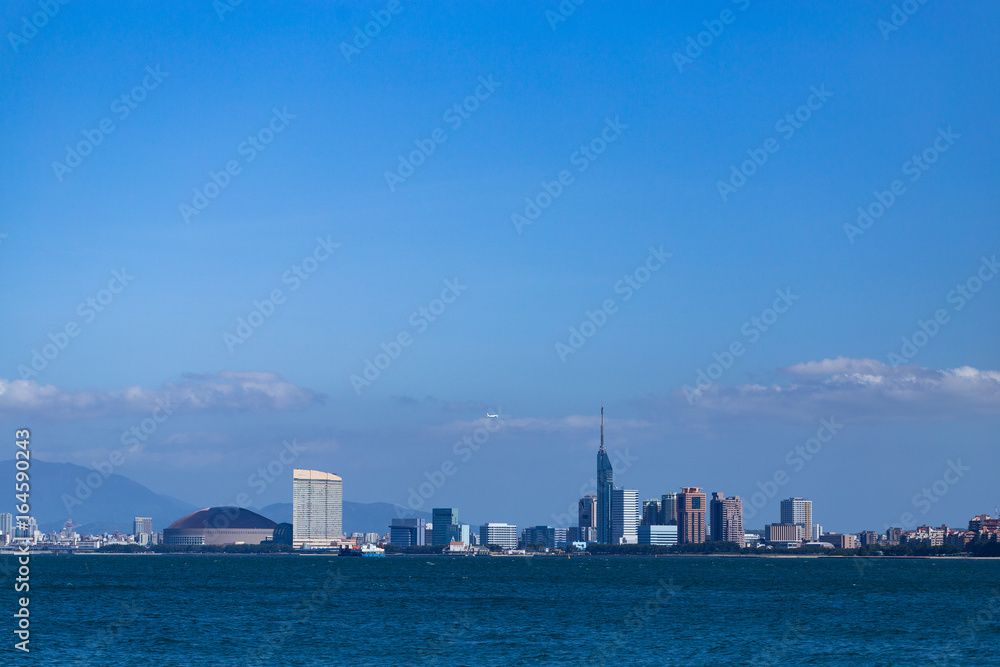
(798, 511)
(6, 527)
(317, 508)
(625, 516)
(501, 534)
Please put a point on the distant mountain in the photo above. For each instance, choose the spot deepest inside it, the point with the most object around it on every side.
(95, 501)
(100, 503)
(358, 517)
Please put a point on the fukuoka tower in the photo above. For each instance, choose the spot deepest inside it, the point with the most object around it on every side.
(605, 486)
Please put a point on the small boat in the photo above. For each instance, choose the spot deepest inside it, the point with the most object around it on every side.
(364, 551)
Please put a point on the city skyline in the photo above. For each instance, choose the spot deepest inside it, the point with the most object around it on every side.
(684, 519)
(791, 510)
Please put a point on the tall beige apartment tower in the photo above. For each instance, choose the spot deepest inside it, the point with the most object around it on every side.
(317, 508)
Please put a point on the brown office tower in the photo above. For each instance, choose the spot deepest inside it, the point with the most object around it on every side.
(690, 515)
(727, 518)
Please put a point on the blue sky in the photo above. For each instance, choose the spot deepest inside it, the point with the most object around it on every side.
(677, 132)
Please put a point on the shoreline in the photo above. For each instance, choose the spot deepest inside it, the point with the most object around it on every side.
(962, 558)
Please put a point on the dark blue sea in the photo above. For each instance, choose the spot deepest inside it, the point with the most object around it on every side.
(318, 610)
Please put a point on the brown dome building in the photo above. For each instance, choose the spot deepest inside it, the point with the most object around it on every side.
(219, 526)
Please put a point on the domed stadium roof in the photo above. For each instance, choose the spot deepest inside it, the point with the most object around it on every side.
(220, 518)
(283, 533)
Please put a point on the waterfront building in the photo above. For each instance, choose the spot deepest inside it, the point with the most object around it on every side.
(6, 527)
(546, 536)
(219, 526)
(317, 508)
(282, 534)
(798, 511)
(959, 538)
(445, 528)
(985, 527)
(581, 534)
(658, 535)
(142, 525)
(783, 532)
(503, 535)
(625, 516)
(691, 515)
(29, 530)
(841, 541)
(869, 538)
(605, 488)
(727, 519)
(408, 532)
(668, 509)
(814, 543)
(651, 512)
(457, 548)
(587, 511)
(924, 535)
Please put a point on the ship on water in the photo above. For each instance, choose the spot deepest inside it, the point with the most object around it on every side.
(363, 551)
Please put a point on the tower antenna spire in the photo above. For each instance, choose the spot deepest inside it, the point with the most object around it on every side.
(602, 424)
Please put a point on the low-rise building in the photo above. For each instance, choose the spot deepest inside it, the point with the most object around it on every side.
(869, 538)
(959, 538)
(825, 545)
(665, 536)
(408, 532)
(841, 540)
(925, 536)
(783, 532)
(456, 547)
(545, 536)
(985, 527)
(581, 534)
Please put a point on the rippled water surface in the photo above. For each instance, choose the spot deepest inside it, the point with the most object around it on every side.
(317, 610)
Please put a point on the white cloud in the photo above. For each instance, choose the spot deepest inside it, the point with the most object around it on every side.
(225, 391)
(197, 438)
(570, 424)
(840, 365)
(863, 388)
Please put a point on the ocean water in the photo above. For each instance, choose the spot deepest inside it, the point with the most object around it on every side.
(318, 610)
